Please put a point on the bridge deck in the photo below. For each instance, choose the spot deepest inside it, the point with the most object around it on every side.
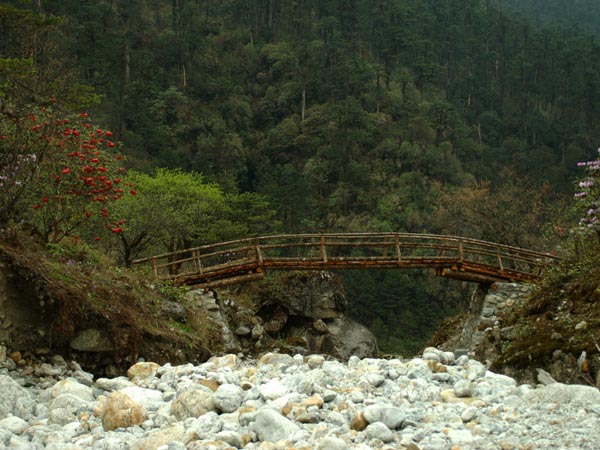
(247, 259)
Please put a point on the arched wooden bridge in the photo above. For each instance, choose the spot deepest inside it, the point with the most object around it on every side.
(450, 256)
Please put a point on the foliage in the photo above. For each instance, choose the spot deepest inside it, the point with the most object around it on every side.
(588, 197)
(77, 177)
(491, 213)
(168, 291)
(175, 210)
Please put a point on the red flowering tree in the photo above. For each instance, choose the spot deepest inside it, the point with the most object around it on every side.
(78, 179)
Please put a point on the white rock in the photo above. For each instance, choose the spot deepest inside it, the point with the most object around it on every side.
(272, 389)
(332, 443)
(73, 387)
(66, 408)
(468, 414)
(391, 416)
(13, 398)
(150, 399)
(113, 384)
(15, 425)
(228, 397)
(563, 393)
(231, 437)
(192, 403)
(315, 361)
(378, 430)
(272, 426)
(462, 388)
(460, 436)
(375, 379)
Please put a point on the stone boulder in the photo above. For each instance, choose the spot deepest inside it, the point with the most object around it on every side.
(14, 400)
(272, 426)
(92, 340)
(118, 410)
(564, 394)
(142, 370)
(193, 403)
(345, 338)
(315, 295)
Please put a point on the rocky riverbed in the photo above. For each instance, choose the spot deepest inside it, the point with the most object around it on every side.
(282, 402)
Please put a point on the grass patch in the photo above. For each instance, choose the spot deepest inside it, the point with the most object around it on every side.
(88, 291)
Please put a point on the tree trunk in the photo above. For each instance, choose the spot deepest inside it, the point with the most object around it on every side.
(303, 113)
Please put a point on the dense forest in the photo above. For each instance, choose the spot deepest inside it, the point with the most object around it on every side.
(456, 117)
(580, 14)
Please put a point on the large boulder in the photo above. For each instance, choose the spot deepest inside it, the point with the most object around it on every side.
(14, 400)
(192, 403)
(271, 426)
(118, 410)
(349, 337)
(305, 313)
(317, 295)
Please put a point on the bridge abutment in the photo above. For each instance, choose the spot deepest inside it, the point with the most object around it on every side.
(487, 309)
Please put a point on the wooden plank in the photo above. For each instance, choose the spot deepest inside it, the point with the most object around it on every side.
(239, 279)
(477, 259)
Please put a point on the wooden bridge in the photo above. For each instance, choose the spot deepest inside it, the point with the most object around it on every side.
(450, 256)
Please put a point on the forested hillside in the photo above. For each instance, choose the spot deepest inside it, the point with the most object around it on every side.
(345, 115)
(580, 14)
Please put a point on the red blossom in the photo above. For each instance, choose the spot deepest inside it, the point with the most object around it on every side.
(90, 189)
(133, 192)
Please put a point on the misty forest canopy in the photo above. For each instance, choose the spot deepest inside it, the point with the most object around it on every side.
(583, 14)
(458, 117)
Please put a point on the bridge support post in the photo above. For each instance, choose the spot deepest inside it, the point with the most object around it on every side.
(398, 253)
(323, 250)
(259, 256)
(154, 268)
(500, 261)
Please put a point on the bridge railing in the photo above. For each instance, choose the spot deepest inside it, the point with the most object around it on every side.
(347, 251)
